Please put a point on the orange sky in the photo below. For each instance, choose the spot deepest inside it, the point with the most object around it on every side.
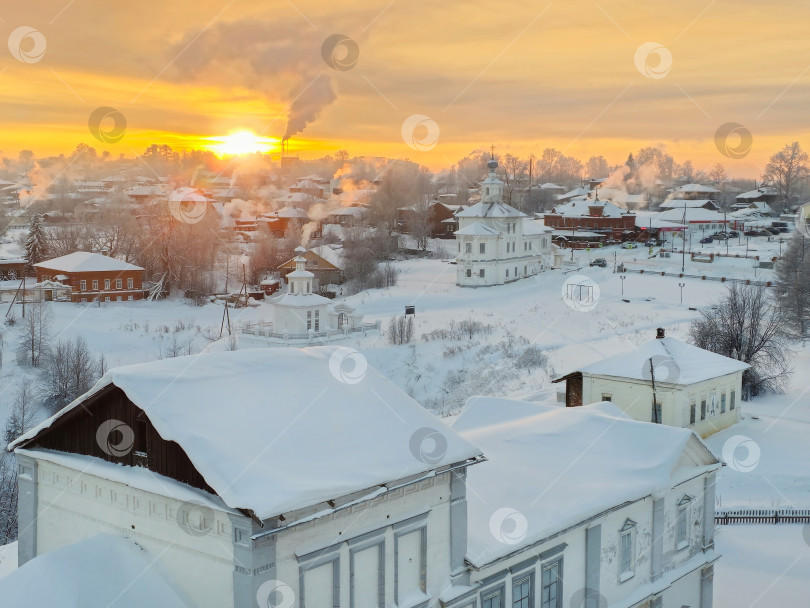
(522, 75)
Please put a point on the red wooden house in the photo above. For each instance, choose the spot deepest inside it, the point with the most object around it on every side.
(94, 276)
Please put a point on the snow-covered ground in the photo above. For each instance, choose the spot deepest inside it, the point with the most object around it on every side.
(763, 566)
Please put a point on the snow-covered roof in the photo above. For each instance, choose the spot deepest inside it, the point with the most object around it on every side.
(330, 255)
(549, 467)
(680, 363)
(696, 188)
(679, 203)
(576, 192)
(97, 572)
(549, 186)
(188, 195)
(291, 212)
(295, 446)
(754, 194)
(84, 261)
(698, 214)
(578, 208)
(477, 229)
(533, 226)
(490, 210)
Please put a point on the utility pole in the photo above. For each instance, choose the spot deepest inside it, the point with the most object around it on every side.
(655, 399)
(681, 285)
(725, 223)
(683, 245)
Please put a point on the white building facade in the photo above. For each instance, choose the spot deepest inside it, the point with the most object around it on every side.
(496, 243)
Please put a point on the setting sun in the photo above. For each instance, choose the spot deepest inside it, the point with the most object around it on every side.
(241, 142)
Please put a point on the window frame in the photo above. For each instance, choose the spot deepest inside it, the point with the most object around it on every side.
(499, 589)
(130, 283)
(378, 542)
(558, 562)
(519, 579)
(422, 529)
(628, 530)
(94, 285)
(482, 248)
(683, 516)
(332, 558)
(82, 285)
(119, 283)
(107, 284)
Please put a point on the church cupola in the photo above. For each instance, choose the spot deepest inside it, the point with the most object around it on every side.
(492, 187)
(300, 279)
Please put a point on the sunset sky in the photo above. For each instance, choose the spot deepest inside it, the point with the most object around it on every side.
(521, 75)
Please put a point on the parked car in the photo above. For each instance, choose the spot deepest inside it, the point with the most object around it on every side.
(706, 239)
(601, 262)
(651, 243)
(764, 233)
(782, 229)
(720, 236)
(629, 245)
(733, 234)
(751, 233)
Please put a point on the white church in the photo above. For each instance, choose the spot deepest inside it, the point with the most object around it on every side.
(185, 482)
(497, 243)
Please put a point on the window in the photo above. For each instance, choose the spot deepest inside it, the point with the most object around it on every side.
(95, 285)
(682, 525)
(459, 247)
(733, 400)
(487, 189)
(530, 245)
(524, 270)
(492, 598)
(468, 247)
(119, 298)
(410, 552)
(551, 593)
(627, 538)
(507, 273)
(525, 245)
(523, 591)
(130, 298)
(607, 397)
(482, 247)
(481, 273)
(692, 412)
(722, 403)
(119, 284)
(141, 433)
(367, 576)
(107, 298)
(469, 272)
(320, 584)
(83, 285)
(703, 409)
(317, 320)
(713, 406)
(515, 271)
(309, 320)
(106, 283)
(343, 319)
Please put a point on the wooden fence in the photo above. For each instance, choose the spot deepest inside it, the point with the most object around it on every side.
(762, 516)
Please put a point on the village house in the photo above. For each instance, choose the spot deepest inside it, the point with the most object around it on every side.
(692, 388)
(12, 269)
(698, 221)
(592, 216)
(761, 194)
(324, 262)
(342, 491)
(94, 277)
(694, 191)
(681, 203)
(496, 243)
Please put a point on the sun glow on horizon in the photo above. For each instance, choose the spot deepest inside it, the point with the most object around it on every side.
(242, 142)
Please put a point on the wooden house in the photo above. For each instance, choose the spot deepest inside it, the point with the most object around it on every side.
(94, 277)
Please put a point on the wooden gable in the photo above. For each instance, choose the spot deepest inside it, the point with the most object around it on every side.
(109, 426)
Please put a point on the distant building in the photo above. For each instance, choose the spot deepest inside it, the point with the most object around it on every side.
(695, 191)
(694, 388)
(697, 219)
(698, 203)
(593, 216)
(12, 269)
(497, 243)
(762, 194)
(325, 263)
(94, 277)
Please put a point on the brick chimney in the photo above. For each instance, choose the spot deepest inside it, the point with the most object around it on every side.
(659, 333)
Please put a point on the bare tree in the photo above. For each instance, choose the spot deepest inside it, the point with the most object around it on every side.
(793, 284)
(70, 370)
(400, 330)
(786, 169)
(747, 325)
(34, 335)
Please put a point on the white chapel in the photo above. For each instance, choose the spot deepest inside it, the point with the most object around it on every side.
(497, 243)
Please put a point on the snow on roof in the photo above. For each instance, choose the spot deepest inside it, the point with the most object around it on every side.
(83, 261)
(679, 363)
(582, 207)
(698, 214)
(696, 188)
(549, 186)
(97, 572)
(298, 445)
(329, 254)
(291, 212)
(574, 193)
(678, 203)
(490, 210)
(533, 226)
(571, 463)
(188, 195)
(477, 229)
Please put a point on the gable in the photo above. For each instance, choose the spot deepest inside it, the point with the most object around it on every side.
(110, 427)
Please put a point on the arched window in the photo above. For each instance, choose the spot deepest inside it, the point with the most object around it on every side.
(343, 319)
(487, 189)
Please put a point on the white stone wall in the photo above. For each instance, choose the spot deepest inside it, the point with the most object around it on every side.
(368, 524)
(72, 506)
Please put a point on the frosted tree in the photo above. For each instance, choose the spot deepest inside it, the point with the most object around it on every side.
(787, 169)
(793, 285)
(36, 244)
